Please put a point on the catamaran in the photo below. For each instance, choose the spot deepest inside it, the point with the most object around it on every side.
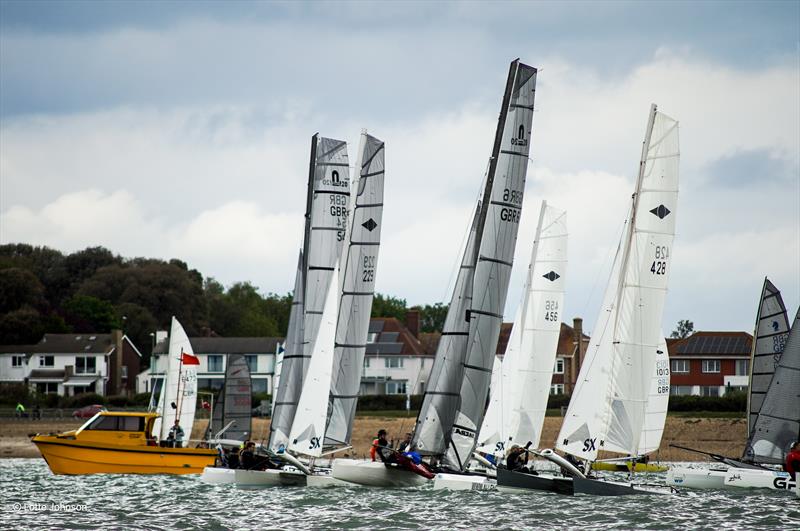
(765, 444)
(455, 399)
(521, 381)
(609, 407)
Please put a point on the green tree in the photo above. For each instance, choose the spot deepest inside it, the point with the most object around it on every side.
(388, 306)
(19, 287)
(432, 316)
(90, 314)
(684, 329)
(23, 326)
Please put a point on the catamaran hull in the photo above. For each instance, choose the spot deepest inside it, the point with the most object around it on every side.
(595, 487)
(463, 482)
(759, 479)
(625, 467)
(696, 478)
(374, 474)
(253, 478)
(320, 481)
(510, 482)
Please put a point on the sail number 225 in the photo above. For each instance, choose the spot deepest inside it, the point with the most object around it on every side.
(659, 266)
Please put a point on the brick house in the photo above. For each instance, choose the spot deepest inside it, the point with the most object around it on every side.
(710, 363)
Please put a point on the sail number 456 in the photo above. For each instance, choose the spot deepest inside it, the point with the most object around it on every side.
(659, 266)
(551, 311)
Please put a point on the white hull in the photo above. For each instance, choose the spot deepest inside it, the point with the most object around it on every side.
(463, 482)
(252, 478)
(374, 474)
(326, 481)
(759, 479)
(696, 478)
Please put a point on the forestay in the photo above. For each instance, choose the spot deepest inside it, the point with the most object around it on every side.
(500, 216)
(608, 407)
(771, 332)
(326, 222)
(179, 388)
(778, 423)
(519, 398)
(308, 428)
(359, 266)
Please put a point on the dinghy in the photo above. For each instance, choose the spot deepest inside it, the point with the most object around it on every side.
(770, 339)
(455, 397)
(521, 382)
(609, 407)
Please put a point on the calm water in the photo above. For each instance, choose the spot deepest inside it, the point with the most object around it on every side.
(185, 502)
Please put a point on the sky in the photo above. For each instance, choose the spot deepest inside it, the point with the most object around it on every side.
(182, 129)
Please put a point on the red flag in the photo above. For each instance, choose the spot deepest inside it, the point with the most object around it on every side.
(188, 359)
(206, 405)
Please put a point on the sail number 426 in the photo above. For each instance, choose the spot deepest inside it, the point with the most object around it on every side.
(659, 266)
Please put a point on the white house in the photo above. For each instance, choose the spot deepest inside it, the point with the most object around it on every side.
(212, 353)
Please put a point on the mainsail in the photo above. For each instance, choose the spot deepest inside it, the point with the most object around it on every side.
(769, 340)
(657, 403)
(359, 266)
(233, 407)
(326, 221)
(519, 397)
(179, 390)
(778, 423)
(609, 405)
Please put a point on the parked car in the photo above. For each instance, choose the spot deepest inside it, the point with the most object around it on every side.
(87, 412)
(264, 409)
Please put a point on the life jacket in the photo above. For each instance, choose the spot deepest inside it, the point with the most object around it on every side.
(793, 462)
(373, 451)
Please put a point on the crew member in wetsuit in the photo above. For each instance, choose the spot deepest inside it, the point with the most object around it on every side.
(792, 464)
(247, 457)
(405, 445)
(515, 458)
(383, 449)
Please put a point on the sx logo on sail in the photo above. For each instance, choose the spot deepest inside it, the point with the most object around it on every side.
(589, 445)
(314, 443)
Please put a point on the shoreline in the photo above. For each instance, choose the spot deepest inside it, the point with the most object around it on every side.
(725, 436)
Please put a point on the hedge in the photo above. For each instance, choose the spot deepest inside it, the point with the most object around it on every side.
(732, 401)
(387, 402)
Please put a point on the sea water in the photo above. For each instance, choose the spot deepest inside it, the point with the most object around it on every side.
(31, 497)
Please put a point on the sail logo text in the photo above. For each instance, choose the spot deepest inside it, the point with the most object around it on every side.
(314, 443)
(465, 433)
(589, 445)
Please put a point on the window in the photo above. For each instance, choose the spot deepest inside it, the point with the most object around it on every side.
(680, 390)
(131, 424)
(85, 365)
(394, 362)
(104, 423)
(124, 371)
(742, 367)
(372, 337)
(44, 388)
(260, 385)
(709, 391)
(47, 361)
(214, 363)
(366, 362)
(680, 366)
(17, 361)
(210, 383)
(557, 389)
(559, 368)
(710, 366)
(252, 363)
(395, 388)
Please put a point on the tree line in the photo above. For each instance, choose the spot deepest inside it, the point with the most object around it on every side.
(93, 290)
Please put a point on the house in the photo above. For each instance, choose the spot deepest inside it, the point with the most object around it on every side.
(70, 364)
(213, 354)
(710, 363)
(396, 362)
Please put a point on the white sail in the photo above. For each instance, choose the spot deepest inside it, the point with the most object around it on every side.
(608, 407)
(518, 405)
(308, 429)
(179, 387)
(657, 403)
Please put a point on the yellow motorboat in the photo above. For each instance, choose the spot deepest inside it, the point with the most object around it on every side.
(610, 466)
(114, 442)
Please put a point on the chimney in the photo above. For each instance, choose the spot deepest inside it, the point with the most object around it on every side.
(580, 350)
(116, 362)
(412, 322)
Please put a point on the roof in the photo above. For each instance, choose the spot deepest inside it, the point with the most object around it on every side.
(393, 337)
(145, 414)
(89, 343)
(705, 344)
(227, 345)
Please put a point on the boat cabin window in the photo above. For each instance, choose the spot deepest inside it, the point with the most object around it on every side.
(117, 424)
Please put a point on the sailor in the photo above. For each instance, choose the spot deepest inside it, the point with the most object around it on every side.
(20, 411)
(792, 464)
(373, 450)
(383, 449)
(405, 446)
(514, 458)
(247, 457)
(176, 435)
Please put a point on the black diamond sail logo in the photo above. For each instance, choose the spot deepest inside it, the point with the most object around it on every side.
(369, 224)
(551, 276)
(661, 211)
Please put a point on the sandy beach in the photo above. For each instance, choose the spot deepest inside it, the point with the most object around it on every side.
(719, 435)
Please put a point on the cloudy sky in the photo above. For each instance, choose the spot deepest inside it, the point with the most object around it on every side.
(180, 129)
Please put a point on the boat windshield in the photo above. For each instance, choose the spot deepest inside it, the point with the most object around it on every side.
(108, 423)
